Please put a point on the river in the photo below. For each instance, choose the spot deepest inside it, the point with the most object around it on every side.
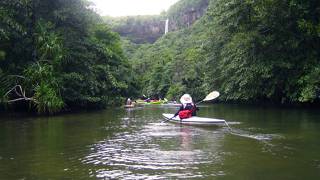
(264, 143)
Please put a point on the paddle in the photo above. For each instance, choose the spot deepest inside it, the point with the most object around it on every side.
(209, 97)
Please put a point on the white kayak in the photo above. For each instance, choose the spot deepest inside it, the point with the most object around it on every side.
(195, 120)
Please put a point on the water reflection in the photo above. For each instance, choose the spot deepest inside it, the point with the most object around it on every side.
(149, 150)
(157, 151)
(133, 144)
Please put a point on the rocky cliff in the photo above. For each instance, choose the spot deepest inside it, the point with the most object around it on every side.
(139, 29)
(184, 13)
(147, 29)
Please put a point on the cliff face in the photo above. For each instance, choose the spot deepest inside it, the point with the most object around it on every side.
(147, 29)
(184, 13)
(185, 20)
(141, 29)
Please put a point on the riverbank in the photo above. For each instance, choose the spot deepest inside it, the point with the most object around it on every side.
(25, 110)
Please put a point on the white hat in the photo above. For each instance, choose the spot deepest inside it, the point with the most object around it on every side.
(186, 98)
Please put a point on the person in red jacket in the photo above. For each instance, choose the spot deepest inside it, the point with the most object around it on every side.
(187, 108)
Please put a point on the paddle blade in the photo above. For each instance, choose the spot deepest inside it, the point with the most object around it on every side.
(211, 96)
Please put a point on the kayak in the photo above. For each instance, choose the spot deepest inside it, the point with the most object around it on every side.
(195, 120)
(156, 102)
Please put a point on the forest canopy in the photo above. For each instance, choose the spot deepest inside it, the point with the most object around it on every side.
(57, 55)
(250, 51)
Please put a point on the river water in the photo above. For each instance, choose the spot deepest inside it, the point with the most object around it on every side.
(264, 143)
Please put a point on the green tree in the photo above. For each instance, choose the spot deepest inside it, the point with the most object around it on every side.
(63, 55)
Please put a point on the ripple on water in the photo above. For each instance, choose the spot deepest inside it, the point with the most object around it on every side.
(233, 123)
(259, 137)
(132, 156)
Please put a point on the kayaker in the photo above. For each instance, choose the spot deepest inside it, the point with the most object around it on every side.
(129, 102)
(187, 108)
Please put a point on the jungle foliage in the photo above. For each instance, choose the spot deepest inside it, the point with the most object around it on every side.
(265, 50)
(173, 65)
(57, 55)
(250, 51)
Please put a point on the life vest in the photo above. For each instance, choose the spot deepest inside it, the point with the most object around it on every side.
(185, 114)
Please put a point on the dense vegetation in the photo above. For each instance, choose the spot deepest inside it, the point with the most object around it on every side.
(57, 55)
(250, 51)
(171, 66)
(265, 50)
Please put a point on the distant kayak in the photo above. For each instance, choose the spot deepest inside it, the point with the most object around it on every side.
(151, 102)
(156, 102)
(195, 120)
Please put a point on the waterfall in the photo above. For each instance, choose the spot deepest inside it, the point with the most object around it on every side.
(166, 27)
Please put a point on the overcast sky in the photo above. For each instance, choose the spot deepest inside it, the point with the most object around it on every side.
(132, 7)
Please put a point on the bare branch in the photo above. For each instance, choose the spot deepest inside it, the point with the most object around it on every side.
(19, 99)
(20, 93)
(11, 90)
